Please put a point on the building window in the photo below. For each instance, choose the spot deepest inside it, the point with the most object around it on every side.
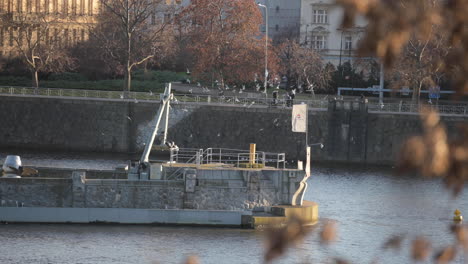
(90, 7)
(38, 6)
(1, 36)
(74, 7)
(29, 6)
(277, 9)
(19, 6)
(82, 7)
(11, 37)
(66, 37)
(348, 43)
(47, 39)
(55, 6)
(65, 7)
(56, 36)
(82, 35)
(277, 27)
(320, 16)
(319, 42)
(75, 36)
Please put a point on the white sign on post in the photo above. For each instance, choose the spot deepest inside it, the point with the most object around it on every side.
(299, 118)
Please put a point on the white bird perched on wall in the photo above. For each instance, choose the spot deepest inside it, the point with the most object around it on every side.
(226, 87)
(188, 71)
(243, 87)
(172, 145)
(198, 84)
(258, 87)
(190, 91)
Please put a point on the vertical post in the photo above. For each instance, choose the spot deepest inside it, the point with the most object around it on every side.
(166, 121)
(381, 83)
(266, 47)
(307, 167)
(266, 43)
(252, 153)
(307, 126)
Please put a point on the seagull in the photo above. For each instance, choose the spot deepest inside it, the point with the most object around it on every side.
(251, 104)
(236, 99)
(240, 91)
(243, 87)
(219, 134)
(276, 122)
(226, 87)
(129, 118)
(172, 145)
(190, 91)
(188, 71)
(121, 96)
(198, 84)
(258, 87)
(188, 81)
(260, 130)
(151, 93)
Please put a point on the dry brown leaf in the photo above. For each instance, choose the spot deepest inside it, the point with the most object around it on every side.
(328, 233)
(279, 239)
(420, 249)
(446, 255)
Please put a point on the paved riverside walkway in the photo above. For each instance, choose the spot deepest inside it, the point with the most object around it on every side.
(237, 101)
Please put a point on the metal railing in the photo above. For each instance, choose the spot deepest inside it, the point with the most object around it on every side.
(414, 108)
(401, 107)
(225, 156)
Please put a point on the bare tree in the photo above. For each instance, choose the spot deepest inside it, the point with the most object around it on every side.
(130, 31)
(31, 41)
(303, 64)
(420, 64)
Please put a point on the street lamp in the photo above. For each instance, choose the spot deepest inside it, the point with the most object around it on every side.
(266, 44)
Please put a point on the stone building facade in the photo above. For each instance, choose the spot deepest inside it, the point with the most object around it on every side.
(321, 30)
(68, 22)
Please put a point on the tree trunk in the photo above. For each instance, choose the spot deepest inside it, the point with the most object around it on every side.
(417, 93)
(35, 80)
(128, 80)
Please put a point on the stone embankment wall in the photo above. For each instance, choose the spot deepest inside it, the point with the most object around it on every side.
(349, 132)
(210, 190)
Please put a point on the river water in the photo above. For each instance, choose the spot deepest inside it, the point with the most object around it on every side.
(368, 204)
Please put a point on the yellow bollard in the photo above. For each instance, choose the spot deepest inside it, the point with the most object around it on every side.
(458, 217)
(252, 153)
